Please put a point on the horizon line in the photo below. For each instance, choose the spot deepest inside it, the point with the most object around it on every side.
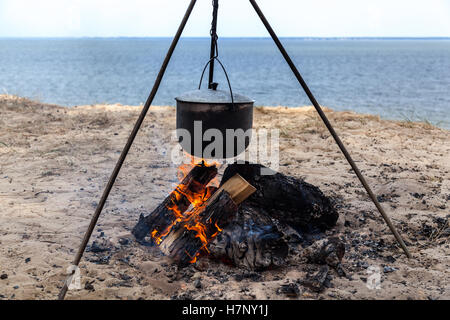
(224, 37)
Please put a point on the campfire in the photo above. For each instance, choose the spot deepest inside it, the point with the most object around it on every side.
(248, 220)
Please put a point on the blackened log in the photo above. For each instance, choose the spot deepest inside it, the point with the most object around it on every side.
(290, 200)
(163, 216)
(184, 243)
(251, 241)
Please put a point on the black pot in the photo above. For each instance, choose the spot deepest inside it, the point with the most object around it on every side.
(201, 110)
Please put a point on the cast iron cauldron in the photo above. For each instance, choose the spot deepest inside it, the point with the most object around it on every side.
(216, 109)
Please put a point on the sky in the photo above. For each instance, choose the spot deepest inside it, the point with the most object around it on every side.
(289, 18)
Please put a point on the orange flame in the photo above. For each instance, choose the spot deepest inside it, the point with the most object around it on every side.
(197, 201)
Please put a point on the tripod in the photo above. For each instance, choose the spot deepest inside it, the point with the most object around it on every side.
(149, 101)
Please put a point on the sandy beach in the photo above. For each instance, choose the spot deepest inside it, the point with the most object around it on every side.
(55, 162)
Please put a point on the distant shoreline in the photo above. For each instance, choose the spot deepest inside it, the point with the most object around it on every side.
(96, 107)
(238, 38)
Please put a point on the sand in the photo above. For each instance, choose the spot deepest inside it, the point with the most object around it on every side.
(55, 162)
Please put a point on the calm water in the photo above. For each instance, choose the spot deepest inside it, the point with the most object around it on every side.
(397, 79)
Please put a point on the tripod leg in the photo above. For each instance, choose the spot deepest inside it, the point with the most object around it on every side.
(329, 126)
(127, 147)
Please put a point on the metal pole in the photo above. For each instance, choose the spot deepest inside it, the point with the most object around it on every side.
(329, 126)
(127, 147)
(213, 43)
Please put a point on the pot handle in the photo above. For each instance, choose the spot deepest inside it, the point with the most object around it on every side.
(226, 76)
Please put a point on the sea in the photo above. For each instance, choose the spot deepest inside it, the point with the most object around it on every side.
(402, 79)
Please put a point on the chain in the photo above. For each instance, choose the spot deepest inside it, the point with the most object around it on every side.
(212, 32)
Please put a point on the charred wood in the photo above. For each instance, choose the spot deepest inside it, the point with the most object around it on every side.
(250, 241)
(289, 200)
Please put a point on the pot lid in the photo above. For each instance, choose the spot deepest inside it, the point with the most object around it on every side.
(212, 96)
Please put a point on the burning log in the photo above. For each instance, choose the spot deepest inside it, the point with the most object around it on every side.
(187, 238)
(192, 188)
